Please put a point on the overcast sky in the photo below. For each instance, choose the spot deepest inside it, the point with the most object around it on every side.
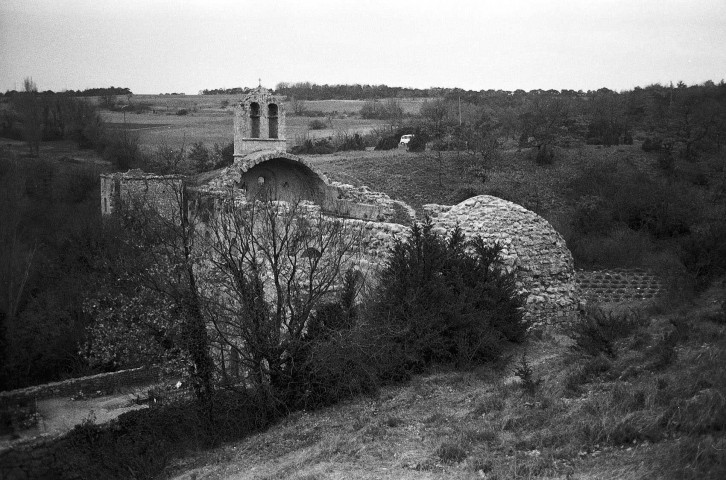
(155, 46)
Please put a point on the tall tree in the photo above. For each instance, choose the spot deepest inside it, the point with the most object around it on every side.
(28, 105)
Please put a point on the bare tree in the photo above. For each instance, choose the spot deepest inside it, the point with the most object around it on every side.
(436, 112)
(272, 266)
(394, 112)
(298, 108)
(28, 105)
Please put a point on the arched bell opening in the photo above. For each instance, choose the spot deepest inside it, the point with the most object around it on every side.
(254, 120)
(272, 120)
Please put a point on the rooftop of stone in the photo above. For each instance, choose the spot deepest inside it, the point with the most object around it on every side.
(229, 175)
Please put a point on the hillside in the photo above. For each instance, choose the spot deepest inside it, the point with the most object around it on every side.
(654, 408)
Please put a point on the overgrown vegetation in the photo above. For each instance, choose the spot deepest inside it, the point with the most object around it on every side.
(303, 347)
(619, 416)
(442, 304)
(49, 233)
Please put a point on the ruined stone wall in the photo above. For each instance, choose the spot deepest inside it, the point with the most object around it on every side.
(164, 192)
(365, 204)
(532, 249)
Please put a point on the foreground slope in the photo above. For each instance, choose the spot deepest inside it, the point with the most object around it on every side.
(653, 406)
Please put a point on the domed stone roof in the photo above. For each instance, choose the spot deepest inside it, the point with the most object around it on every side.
(531, 248)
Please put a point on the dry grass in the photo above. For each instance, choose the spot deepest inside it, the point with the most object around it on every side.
(420, 178)
(631, 420)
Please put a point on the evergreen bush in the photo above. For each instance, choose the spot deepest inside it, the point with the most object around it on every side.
(447, 300)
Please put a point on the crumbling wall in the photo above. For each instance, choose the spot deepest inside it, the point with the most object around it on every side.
(164, 192)
(532, 249)
(365, 204)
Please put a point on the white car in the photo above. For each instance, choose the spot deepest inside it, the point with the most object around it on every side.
(404, 140)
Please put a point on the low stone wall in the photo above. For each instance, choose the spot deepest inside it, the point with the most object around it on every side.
(106, 382)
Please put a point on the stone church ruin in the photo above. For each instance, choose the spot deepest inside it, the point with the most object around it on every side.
(532, 249)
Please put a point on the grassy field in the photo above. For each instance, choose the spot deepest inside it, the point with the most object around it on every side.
(420, 178)
(652, 408)
(409, 105)
(163, 126)
(171, 103)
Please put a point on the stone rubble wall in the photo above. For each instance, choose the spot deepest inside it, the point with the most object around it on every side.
(66, 388)
(532, 249)
(161, 191)
(388, 210)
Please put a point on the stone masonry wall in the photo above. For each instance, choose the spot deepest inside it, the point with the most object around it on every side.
(532, 249)
(162, 191)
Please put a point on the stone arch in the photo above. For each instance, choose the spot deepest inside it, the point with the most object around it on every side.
(286, 177)
(532, 249)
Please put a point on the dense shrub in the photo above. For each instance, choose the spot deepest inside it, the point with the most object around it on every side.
(604, 132)
(619, 247)
(142, 443)
(199, 157)
(652, 144)
(666, 161)
(351, 142)
(441, 304)
(418, 142)
(49, 232)
(57, 117)
(545, 155)
(447, 144)
(123, 150)
(596, 330)
(388, 143)
(608, 200)
(317, 124)
(704, 253)
(311, 146)
(223, 156)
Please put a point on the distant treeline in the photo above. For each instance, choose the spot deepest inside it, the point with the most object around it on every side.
(89, 92)
(313, 91)
(226, 91)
